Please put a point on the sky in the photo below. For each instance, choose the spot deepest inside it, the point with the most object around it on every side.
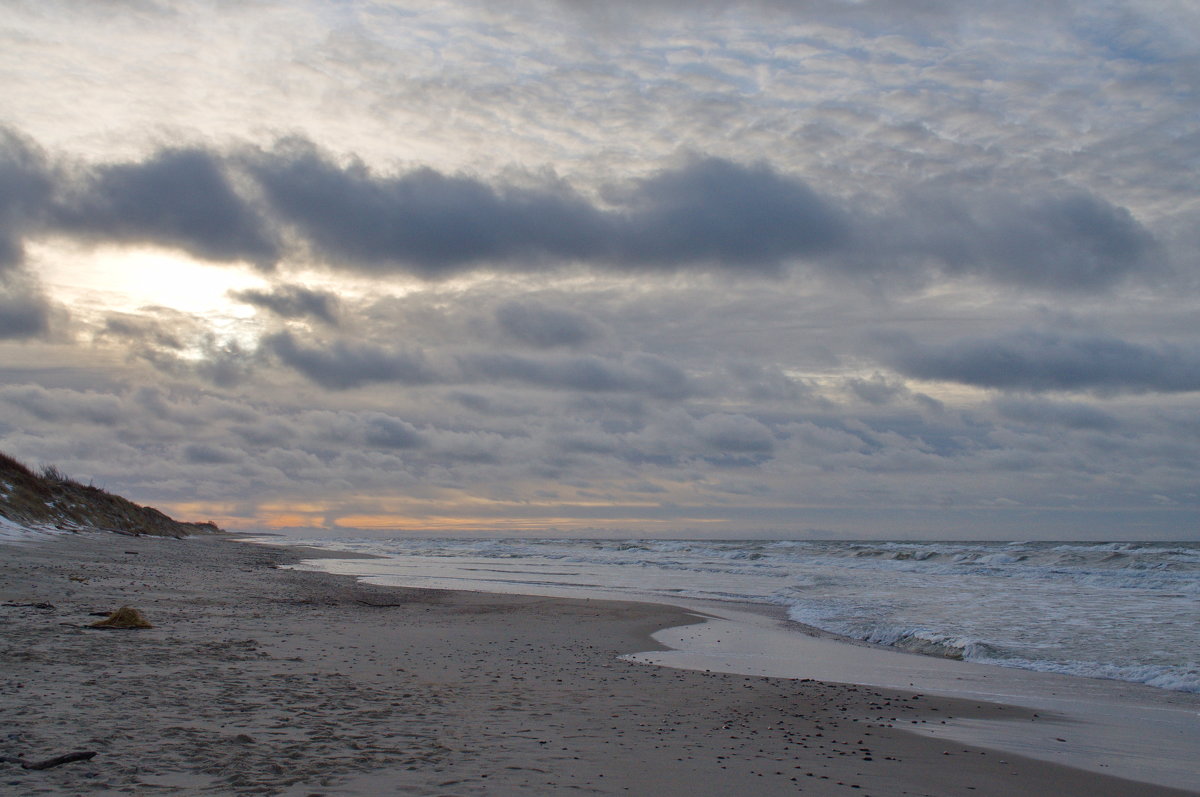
(810, 268)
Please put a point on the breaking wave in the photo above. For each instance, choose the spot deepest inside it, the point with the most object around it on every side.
(1124, 611)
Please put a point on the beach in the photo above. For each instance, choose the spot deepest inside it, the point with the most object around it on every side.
(257, 679)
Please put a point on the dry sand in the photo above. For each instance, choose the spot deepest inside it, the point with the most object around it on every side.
(256, 680)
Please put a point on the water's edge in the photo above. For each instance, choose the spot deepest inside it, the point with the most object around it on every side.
(1127, 730)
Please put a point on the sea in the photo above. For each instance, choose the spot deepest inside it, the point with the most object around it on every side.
(1128, 611)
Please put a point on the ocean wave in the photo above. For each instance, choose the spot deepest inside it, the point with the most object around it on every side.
(1176, 679)
(1060, 607)
(930, 642)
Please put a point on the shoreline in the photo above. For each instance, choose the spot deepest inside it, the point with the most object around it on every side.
(258, 679)
(1112, 727)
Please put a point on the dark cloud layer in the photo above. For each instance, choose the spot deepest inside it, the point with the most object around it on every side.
(1039, 414)
(543, 327)
(1061, 241)
(707, 213)
(344, 365)
(383, 431)
(24, 311)
(433, 224)
(179, 197)
(1046, 361)
(347, 364)
(293, 301)
(641, 373)
(26, 184)
(715, 211)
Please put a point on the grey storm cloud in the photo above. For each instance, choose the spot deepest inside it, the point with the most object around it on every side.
(537, 325)
(738, 434)
(293, 301)
(343, 365)
(142, 331)
(1067, 414)
(877, 390)
(65, 406)
(707, 213)
(178, 197)
(347, 364)
(1063, 241)
(1049, 361)
(384, 431)
(206, 454)
(716, 211)
(24, 312)
(26, 184)
(639, 373)
(434, 223)
(924, 16)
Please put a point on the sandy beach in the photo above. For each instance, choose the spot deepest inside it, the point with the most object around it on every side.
(261, 680)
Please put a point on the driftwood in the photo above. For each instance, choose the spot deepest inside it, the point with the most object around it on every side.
(381, 605)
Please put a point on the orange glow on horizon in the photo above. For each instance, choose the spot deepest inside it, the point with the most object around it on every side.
(315, 515)
(401, 523)
(281, 521)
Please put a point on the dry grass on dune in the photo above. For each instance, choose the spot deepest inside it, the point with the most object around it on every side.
(50, 498)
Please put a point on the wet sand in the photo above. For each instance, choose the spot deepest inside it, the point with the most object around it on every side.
(259, 680)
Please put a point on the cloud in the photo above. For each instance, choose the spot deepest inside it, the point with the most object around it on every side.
(144, 332)
(736, 434)
(926, 18)
(384, 431)
(639, 373)
(206, 454)
(181, 344)
(536, 325)
(490, 405)
(345, 364)
(225, 363)
(433, 224)
(710, 212)
(1071, 415)
(24, 311)
(707, 214)
(26, 185)
(723, 213)
(66, 407)
(1070, 241)
(1049, 361)
(767, 383)
(876, 390)
(293, 301)
(177, 197)
(641, 258)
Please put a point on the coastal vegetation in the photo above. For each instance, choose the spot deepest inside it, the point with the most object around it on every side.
(48, 498)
